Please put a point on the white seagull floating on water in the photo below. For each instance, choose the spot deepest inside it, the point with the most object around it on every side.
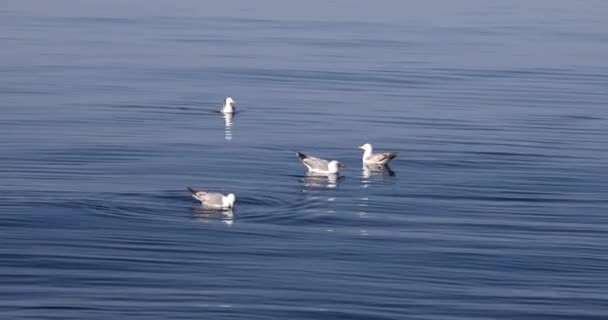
(317, 165)
(371, 158)
(213, 199)
(229, 106)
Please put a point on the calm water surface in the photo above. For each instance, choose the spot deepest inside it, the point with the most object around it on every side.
(496, 209)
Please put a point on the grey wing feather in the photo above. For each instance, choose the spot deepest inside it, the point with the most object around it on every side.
(191, 190)
(210, 198)
(383, 156)
(313, 162)
(213, 198)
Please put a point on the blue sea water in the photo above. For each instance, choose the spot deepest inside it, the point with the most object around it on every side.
(497, 206)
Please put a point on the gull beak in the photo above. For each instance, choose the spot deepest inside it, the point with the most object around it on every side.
(360, 147)
(341, 165)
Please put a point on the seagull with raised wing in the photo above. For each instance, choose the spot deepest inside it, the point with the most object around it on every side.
(318, 165)
(369, 157)
(213, 199)
(229, 106)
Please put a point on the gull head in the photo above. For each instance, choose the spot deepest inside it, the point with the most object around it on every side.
(229, 101)
(366, 147)
(229, 201)
(334, 166)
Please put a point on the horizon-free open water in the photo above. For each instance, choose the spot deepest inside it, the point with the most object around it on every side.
(495, 209)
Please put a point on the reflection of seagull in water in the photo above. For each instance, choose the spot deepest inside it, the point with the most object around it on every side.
(312, 180)
(377, 170)
(229, 106)
(369, 157)
(228, 122)
(208, 215)
(213, 200)
(317, 165)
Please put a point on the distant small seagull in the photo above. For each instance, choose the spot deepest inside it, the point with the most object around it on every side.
(213, 199)
(229, 106)
(316, 165)
(369, 157)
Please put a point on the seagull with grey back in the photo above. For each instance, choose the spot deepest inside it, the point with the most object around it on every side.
(229, 106)
(213, 199)
(318, 165)
(371, 158)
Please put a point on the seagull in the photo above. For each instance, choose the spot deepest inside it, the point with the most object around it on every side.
(228, 106)
(316, 165)
(213, 199)
(376, 158)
